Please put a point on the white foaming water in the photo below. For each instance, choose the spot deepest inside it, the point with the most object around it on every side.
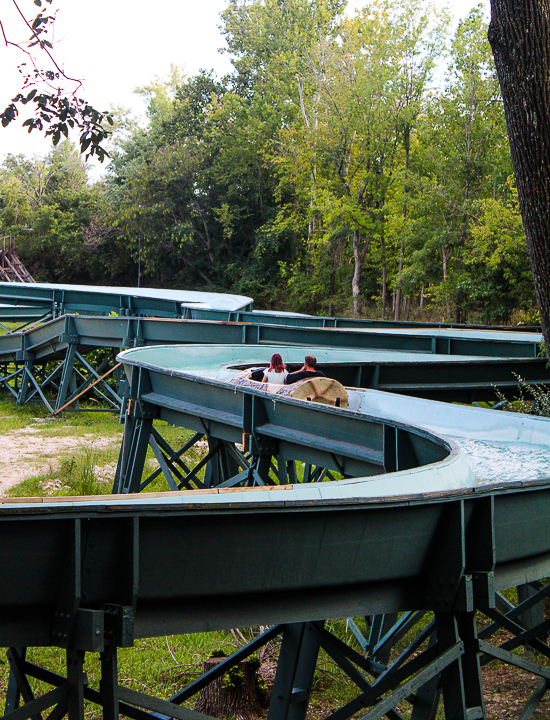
(493, 461)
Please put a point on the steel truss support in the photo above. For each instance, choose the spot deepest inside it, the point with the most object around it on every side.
(10, 375)
(59, 384)
(224, 464)
(443, 655)
(34, 321)
(295, 671)
(70, 692)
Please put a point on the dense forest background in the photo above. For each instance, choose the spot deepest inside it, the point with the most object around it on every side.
(349, 165)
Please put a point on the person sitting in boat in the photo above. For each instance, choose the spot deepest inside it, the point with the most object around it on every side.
(308, 371)
(276, 372)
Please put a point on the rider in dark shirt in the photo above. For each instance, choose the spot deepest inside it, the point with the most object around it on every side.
(309, 370)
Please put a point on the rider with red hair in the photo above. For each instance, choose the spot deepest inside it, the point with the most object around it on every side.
(277, 372)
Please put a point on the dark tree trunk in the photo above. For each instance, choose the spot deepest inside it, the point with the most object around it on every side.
(407, 144)
(384, 279)
(359, 254)
(519, 34)
(235, 695)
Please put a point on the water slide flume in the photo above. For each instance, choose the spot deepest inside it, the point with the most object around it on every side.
(406, 529)
(191, 386)
(123, 300)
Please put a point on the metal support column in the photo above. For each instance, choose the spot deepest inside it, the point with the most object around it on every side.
(18, 685)
(76, 680)
(132, 458)
(452, 677)
(108, 686)
(67, 376)
(534, 615)
(471, 668)
(24, 385)
(295, 671)
(427, 697)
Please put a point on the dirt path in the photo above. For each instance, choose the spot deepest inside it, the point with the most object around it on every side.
(26, 452)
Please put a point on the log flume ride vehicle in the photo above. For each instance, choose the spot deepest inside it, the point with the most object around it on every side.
(404, 513)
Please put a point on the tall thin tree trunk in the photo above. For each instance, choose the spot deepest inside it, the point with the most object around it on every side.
(519, 34)
(384, 279)
(332, 289)
(359, 254)
(445, 259)
(407, 143)
(407, 307)
(358, 267)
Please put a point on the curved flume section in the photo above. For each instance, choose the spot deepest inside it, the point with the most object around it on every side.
(483, 446)
(520, 442)
(93, 295)
(416, 524)
(172, 370)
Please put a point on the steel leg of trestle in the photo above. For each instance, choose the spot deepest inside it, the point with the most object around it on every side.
(24, 385)
(471, 668)
(66, 376)
(76, 680)
(13, 694)
(131, 461)
(381, 625)
(138, 453)
(108, 686)
(295, 670)
(426, 700)
(535, 615)
(222, 466)
(18, 685)
(461, 680)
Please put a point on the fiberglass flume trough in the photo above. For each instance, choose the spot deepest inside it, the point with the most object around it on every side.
(408, 531)
(520, 442)
(126, 300)
(385, 458)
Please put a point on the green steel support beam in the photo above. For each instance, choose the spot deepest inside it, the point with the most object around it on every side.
(108, 686)
(66, 376)
(295, 671)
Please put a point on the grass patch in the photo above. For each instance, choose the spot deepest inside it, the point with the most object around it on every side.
(88, 470)
(10, 327)
(76, 474)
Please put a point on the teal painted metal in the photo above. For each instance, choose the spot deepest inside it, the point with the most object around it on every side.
(128, 332)
(459, 377)
(393, 547)
(282, 429)
(125, 301)
(14, 314)
(168, 373)
(299, 320)
(447, 555)
(23, 355)
(90, 575)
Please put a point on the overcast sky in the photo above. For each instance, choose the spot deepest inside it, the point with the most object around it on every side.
(115, 46)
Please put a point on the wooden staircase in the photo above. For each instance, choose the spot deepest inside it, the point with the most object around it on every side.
(11, 267)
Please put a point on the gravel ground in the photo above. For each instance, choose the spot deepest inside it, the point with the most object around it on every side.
(27, 452)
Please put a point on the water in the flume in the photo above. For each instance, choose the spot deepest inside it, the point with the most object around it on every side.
(505, 461)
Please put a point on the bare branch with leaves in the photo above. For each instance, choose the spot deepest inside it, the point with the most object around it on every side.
(50, 91)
